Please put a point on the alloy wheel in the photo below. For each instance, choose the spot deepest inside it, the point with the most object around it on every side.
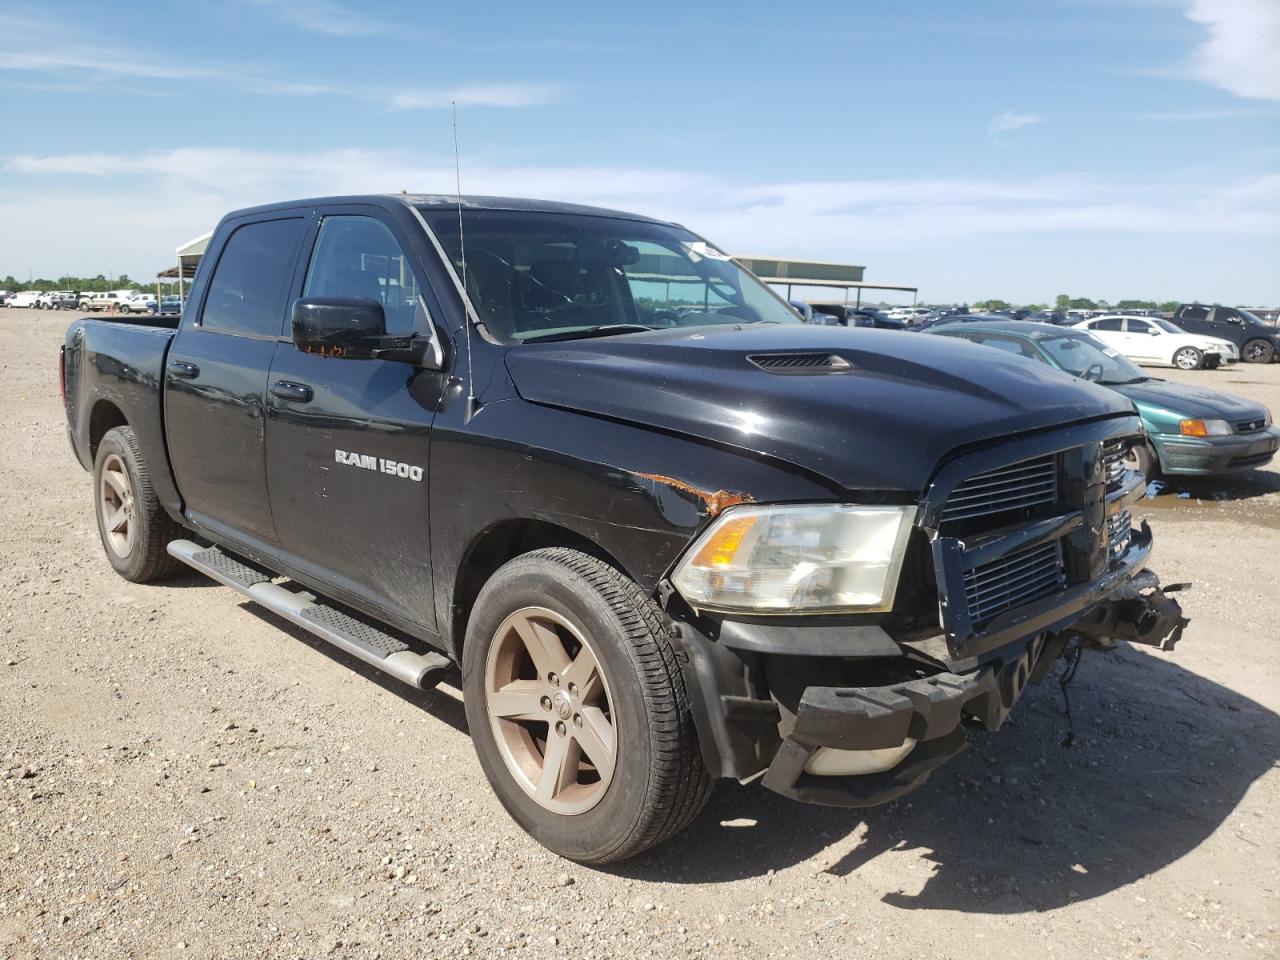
(1187, 359)
(549, 707)
(115, 504)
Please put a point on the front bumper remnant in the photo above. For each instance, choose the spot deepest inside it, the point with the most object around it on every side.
(928, 710)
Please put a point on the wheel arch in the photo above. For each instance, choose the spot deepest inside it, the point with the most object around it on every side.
(104, 416)
(494, 546)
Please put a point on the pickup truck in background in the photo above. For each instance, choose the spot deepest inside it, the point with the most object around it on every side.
(667, 531)
(1257, 342)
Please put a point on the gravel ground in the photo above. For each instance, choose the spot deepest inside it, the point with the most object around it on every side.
(182, 774)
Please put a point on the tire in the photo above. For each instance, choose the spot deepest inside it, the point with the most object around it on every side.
(1188, 358)
(656, 782)
(1257, 351)
(135, 543)
(1143, 459)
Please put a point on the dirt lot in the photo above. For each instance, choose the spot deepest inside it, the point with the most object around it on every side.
(182, 776)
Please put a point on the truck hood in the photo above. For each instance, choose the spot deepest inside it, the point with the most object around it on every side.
(884, 423)
(1187, 402)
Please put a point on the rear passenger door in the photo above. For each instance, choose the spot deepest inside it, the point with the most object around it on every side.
(1195, 320)
(216, 379)
(348, 439)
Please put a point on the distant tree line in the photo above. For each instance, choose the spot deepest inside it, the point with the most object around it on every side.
(88, 284)
(1065, 301)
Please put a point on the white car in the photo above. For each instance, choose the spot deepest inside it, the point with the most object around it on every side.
(25, 299)
(138, 303)
(910, 315)
(1151, 340)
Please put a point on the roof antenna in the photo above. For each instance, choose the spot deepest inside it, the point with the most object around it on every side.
(472, 406)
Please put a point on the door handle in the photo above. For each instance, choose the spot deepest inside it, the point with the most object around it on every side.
(288, 390)
(181, 368)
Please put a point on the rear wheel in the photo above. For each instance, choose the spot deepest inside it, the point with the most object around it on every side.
(134, 527)
(1188, 358)
(1257, 351)
(577, 708)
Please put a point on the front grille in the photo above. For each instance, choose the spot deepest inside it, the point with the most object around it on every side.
(1119, 533)
(1113, 454)
(1250, 426)
(1013, 580)
(1031, 483)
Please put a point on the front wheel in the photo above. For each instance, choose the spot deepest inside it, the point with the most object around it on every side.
(1257, 351)
(578, 709)
(1142, 459)
(133, 526)
(1188, 358)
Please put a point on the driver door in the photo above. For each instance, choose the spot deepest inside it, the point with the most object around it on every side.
(348, 439)
(1142, 343)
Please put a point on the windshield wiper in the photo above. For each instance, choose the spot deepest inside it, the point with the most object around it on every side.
(604, 330)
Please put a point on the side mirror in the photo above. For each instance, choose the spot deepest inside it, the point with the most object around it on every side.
(338, 326)
(1153, 331)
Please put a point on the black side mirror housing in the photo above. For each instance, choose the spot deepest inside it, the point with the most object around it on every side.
(338, 326)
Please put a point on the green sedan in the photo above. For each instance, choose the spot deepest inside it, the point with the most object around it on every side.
(1191, 430)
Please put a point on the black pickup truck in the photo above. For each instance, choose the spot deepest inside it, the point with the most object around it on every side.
(667, 531)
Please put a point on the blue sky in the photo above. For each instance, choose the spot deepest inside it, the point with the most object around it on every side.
(1019, 149)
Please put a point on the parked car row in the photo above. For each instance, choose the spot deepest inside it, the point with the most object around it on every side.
(1190, 430)
(119, 301)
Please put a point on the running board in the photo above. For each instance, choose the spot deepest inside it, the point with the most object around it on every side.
(364, 641)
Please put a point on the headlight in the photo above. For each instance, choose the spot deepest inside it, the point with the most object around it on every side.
(1205, 428)
(831, 558)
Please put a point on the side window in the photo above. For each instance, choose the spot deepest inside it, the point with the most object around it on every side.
(359, 257)
(1139, 326)
(1110, 325)
(1194, 313)
(251, 280)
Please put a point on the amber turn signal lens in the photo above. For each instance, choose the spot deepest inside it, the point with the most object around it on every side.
(1193, 428)
(720, 550)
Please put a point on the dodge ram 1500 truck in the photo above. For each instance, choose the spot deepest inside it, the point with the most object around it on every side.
(667, 531)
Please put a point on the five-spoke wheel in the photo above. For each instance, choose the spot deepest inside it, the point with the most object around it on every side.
(550, 711)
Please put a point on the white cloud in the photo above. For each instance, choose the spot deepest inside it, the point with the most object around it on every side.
(1010, 120)
(72, 59)
(1242, 52)
(326, 17)
(131, 210)
(475, 95)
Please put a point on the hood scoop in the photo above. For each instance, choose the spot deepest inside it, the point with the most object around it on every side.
(800, 364)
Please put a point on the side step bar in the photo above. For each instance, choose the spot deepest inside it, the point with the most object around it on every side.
(375, 647)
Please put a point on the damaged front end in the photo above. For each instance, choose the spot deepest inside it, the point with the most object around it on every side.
(857, 711)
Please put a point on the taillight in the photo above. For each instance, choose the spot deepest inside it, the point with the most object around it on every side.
(62, 373)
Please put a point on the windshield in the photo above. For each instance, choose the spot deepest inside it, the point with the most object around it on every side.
(1090, 359)
(1252, 318)
(1167, 326)
(542, 276)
